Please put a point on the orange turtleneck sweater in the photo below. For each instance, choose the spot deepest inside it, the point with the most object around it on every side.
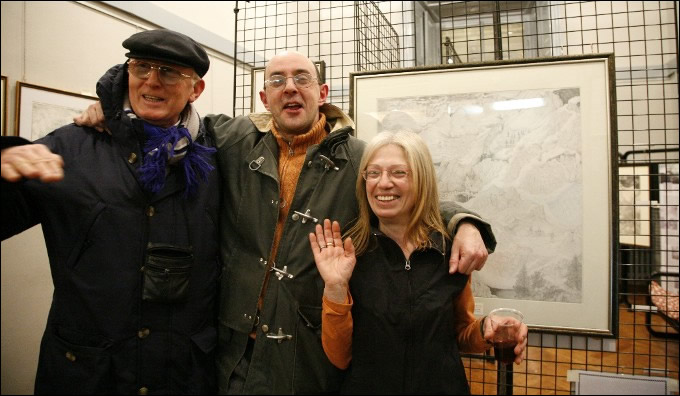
(291, 158)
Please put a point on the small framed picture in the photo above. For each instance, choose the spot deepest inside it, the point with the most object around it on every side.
(41, 110)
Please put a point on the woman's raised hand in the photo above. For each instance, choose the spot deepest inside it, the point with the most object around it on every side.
(334, 259)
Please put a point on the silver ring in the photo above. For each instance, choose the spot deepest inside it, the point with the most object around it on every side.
(329, 244)
(322, 247)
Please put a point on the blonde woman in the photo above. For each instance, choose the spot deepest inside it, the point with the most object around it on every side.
(393, 315)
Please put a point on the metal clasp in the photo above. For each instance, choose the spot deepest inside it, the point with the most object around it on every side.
(256, 163)
(280, 337)
(328, 162)
(305, 216)
(280, 273)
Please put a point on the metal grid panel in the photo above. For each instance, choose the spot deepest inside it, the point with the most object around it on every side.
(377, 43)
(350, 36)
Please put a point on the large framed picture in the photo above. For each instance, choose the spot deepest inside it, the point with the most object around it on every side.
(3, 108)
(634, 205)
(40, 110)
(257, 84)
(529, 145)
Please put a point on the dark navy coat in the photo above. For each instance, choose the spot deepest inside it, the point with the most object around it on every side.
(101, 336)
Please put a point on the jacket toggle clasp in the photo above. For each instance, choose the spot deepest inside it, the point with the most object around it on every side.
(280, 273)
(279, 337)
(305, 216)
(256, 163)
(328, 163)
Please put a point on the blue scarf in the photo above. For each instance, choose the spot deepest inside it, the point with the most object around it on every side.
(160, 147)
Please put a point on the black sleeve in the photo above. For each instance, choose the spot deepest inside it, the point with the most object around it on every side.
(11, 141)
(454, 214)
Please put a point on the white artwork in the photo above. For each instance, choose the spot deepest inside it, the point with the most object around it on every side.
(668, 223)
(514, 156)
(634, 206)
(47, 117)
(42, 109)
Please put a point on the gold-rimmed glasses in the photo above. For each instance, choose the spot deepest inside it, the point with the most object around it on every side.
(166, 74)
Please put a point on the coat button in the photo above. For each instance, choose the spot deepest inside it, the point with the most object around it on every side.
(143, 333)
(143, 391)
(265, 328)
(70, 356)
(150, 211)
(132, 158)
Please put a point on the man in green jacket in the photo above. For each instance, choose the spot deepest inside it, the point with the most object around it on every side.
(286, 170)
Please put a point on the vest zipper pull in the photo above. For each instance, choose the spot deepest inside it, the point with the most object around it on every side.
(407, 267)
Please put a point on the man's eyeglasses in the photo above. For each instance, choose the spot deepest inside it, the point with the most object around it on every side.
(166, 74)
(302, 80)
(375, 174)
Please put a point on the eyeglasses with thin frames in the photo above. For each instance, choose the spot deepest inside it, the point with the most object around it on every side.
(374, 174)
(166, 74)
(301, 80)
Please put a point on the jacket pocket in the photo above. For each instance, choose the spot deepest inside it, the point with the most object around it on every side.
(79, 365)
(167, 271)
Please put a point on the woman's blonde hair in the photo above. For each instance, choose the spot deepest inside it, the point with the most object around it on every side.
(426, 216)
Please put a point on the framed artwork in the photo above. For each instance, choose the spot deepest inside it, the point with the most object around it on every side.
(528, 145)
(41, 110)
(669, 218)
(257, 84)
(3, 109)
(634, 205)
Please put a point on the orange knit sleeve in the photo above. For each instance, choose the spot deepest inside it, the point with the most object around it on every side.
(466, 326)
(336, 331)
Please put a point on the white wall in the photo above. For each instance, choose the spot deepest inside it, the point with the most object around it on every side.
(68, 46)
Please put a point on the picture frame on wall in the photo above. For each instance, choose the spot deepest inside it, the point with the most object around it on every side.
(40, 110)
(634, 205)
(529, 145)
(257, 84)
(3, 107)
(669, 222)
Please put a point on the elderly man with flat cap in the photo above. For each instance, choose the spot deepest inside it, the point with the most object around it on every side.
(130, 230)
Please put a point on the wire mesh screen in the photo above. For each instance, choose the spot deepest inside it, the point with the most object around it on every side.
(377, 43)
(353, 36)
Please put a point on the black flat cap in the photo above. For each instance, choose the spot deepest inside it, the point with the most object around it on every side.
(168, 46)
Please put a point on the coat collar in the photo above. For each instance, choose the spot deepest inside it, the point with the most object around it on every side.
(437, 238)
(335, 117)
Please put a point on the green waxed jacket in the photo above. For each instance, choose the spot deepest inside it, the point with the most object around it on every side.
(287, 357)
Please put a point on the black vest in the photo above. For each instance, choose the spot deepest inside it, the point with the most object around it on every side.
(403, 340)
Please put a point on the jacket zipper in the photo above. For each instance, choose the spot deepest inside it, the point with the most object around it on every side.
(409, 350)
